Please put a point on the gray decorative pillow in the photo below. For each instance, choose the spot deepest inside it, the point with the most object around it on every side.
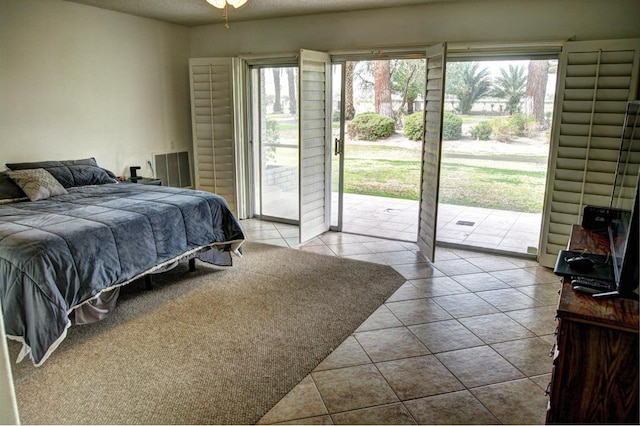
(9, 191)
(71, 173)
(38, 184)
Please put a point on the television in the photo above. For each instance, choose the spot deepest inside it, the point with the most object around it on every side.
(623, 229)
(624, 252)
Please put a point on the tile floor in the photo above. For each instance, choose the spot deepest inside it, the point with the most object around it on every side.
(498, 230)
(465, 340)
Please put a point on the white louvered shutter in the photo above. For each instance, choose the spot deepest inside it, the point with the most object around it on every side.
(431, 147)
(315, 136)
(212, 120)
(596, 79)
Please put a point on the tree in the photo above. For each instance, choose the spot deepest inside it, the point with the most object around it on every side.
(293, 102)
(382, 88)
(537, 76)
(407, 80)
(468, 82)
(277, 105)
(350, 110)
(511, 86)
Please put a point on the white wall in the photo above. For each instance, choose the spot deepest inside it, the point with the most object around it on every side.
(79, 81)
(459, 21)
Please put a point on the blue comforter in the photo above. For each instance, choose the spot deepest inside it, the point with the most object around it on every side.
(56, 254)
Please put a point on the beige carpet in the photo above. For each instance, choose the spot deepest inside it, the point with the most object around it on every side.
(216, 346)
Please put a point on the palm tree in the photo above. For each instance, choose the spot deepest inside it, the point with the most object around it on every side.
(468, 82)
(511, 86)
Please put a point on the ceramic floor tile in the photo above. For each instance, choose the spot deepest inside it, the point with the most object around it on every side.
(293, 242)
(465, 305)
(546, 294)
(380, 318)
(407, 291)
(480, 282)
(455, 408)
(518, 277)
(508, 299)
(443, 336)
(402, 257)
(263, 234)
(515, 402)
(540, 321)
(303, 401)
(338, 238)
(443, 253)
(272, 241)
(417, 311)
(319, 249)
(384, 246)
(351, 388)
(542, 380)
(456, 267)
(348, 354)
(367, 257)
(417, 271)
(467, 254)
(543, 273)
(531, 356)
(314, 242)
(390, 343)
(418, 377)
(492, 263)
(438, 286)
(496, 328)
(479, 366)
(348, 249)
(319, 420)
(391, 414)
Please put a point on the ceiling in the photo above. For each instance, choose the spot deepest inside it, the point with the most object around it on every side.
(198, 12)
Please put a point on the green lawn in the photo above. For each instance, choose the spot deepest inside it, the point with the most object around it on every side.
(390, 171)
(395, 172)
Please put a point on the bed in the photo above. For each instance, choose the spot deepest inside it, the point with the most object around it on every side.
(71, 235)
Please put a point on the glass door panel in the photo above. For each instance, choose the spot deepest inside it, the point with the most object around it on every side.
(337, 137)
(278, 142)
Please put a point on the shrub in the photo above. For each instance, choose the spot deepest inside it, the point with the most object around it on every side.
(413, 126)
(482, 131)
(272, 134)
(505, 129)
(451, 127)
(524, 124)
(370, 126)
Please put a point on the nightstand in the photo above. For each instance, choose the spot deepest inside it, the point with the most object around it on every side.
(145, 181)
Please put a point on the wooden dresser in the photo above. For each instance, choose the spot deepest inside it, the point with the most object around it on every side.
(595, 371)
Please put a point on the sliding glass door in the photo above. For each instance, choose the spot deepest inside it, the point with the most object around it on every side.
(276, 142)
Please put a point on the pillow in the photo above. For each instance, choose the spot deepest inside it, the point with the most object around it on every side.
(9, 191)
(70, 173)
(38, 184)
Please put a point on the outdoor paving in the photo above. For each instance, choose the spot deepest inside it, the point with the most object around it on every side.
(495, 230)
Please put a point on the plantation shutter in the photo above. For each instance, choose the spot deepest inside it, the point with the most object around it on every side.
(596, 79)
(212, 121)
(315, 137)
(431, 146)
